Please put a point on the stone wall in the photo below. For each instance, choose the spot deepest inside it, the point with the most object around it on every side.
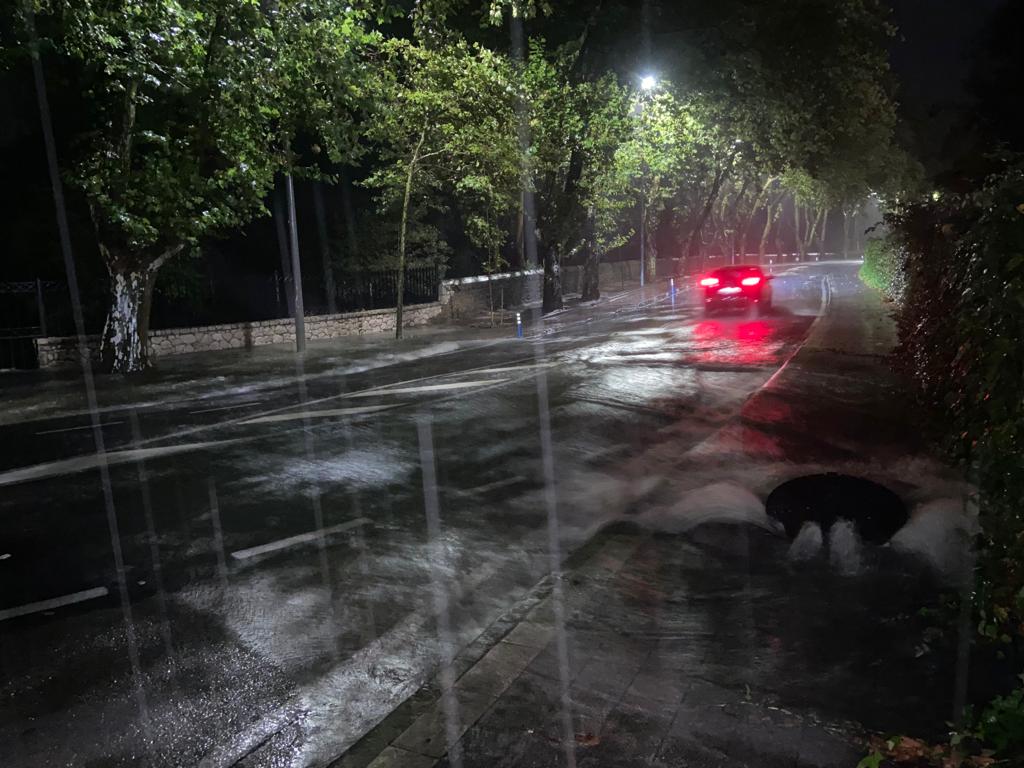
(53, 352)
(470, 297)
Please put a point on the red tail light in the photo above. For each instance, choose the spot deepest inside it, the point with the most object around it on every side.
(709, 282)
(750, 280)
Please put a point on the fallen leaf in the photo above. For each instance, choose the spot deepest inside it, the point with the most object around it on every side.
(588, 739)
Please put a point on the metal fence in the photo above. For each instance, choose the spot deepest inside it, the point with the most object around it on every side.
(23, 318)
(357, 291)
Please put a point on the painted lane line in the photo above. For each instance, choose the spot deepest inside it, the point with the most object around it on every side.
(226, 407)
(511, 368)
(93, 460)
(380, 391)
(302, 538)
(490, 486)
(53, 602)
(322, 414)
(75, 429)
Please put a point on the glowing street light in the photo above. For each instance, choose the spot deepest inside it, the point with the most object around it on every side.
(647, 84)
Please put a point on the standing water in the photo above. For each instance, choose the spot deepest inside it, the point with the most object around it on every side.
(807, 544)
(844, 548)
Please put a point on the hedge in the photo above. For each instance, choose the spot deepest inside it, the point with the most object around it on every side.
(961, 324)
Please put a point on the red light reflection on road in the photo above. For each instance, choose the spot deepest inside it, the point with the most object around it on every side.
(735, 343)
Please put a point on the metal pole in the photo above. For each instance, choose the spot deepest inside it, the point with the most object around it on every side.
(41, 307)
(300, 314)
(643, 239)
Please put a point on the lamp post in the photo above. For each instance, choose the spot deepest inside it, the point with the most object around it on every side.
(647, 85)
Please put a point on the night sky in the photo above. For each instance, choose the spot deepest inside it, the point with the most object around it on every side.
(932, 54)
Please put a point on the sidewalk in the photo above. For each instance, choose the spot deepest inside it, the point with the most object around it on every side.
(675, 643)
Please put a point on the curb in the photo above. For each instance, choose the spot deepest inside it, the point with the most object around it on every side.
(415, 734)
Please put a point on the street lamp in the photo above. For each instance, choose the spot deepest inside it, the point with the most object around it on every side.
(647, 84)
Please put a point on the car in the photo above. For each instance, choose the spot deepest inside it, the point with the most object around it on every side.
(745, 286)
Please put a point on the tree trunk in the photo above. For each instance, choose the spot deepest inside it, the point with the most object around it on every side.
(694, 243)
(280, 222)
(591, 289)
(552, 281)
(293, 232)
(527, 211)
(797, 235)
(769, 219)
(651, 247)
(846, 234)
(812, 228)
(400, 290)
(748, 219)
(123, 346)
(823, 233)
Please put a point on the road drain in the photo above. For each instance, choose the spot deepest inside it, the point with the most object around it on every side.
(875, 511)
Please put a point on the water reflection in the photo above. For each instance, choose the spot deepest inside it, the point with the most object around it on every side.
(735, 342)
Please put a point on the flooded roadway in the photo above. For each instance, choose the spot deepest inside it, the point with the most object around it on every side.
(291, 539)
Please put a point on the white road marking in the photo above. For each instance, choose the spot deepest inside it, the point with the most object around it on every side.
(74, 429)
(491, 486)
(93, 460)
(378, 391)
(226, 407)
(302, 538)
(54, 602)
(321, 414)
(506, 369)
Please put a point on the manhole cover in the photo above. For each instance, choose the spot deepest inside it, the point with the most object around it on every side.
(875, 511)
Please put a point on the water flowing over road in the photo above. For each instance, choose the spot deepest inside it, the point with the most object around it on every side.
(285, 552)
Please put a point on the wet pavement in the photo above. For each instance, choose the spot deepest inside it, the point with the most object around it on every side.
(270, 560)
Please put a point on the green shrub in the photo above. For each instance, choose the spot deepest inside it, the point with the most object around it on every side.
(961, 323)
(883, 268)
(1001, 724)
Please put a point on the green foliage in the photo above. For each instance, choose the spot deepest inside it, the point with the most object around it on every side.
(378, 243)
(883, 268)
(578, 129)
(193, 104)
(874, 760)
(660, 142)
(1001, 724)
(444, 125)
(320, 77)
(961, 322)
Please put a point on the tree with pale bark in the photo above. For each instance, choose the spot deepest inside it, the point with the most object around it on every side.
(192, 107)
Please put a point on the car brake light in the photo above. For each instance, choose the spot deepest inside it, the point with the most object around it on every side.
(709, 282)
(751, 280)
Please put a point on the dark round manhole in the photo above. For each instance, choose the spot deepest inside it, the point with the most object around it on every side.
(875, 511)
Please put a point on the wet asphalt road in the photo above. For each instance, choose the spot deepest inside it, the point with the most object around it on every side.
(267, 551)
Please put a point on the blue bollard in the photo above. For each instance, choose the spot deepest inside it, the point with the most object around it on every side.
(672, 289)
(519, 325)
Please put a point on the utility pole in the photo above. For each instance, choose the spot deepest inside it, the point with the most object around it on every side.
(529, 210)
(300, 314)
(643, 238)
